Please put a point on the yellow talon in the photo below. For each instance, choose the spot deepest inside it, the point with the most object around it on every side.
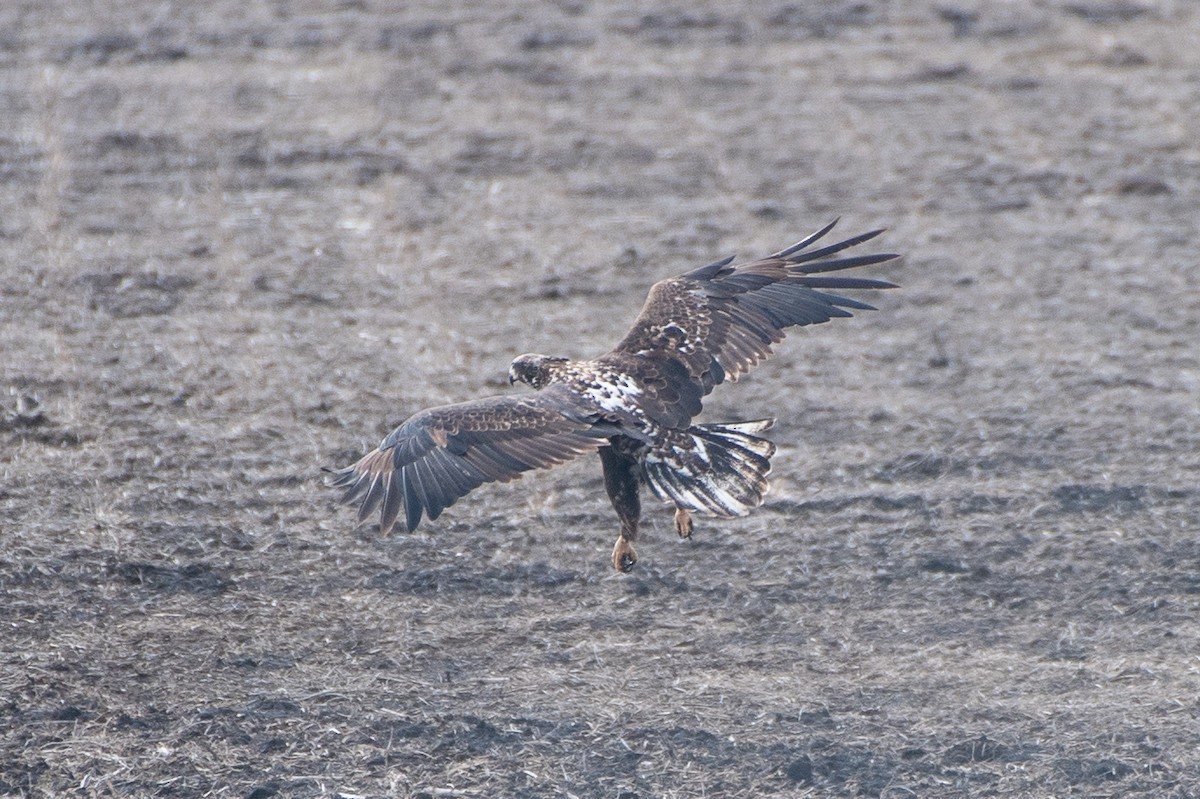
(624, 555)
(683, 523)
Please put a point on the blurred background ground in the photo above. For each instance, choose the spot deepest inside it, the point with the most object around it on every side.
(241, 241)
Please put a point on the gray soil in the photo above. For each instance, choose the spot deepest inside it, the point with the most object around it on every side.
(241, 241)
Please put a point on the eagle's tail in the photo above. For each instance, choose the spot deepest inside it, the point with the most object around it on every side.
(712, 469)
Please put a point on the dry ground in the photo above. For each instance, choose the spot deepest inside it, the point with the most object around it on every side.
(239, 241)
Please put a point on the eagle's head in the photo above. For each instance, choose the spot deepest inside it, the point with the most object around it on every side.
(534, 370)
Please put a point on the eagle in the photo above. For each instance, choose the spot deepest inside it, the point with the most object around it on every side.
(633, 406)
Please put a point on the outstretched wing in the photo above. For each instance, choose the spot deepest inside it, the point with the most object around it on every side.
(721, 320)
(426, 464)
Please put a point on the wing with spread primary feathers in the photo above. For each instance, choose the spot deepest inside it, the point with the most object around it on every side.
(426, 464)
(721, 320)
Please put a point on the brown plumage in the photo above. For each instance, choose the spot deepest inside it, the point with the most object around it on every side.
(634, 405)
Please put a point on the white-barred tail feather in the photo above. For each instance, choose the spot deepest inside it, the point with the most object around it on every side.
(712, 469)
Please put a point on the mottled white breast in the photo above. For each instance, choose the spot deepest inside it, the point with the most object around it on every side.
(615, 393)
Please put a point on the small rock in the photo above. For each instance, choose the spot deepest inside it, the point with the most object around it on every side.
(800, 769)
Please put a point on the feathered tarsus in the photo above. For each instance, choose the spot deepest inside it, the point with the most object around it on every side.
(634, 405)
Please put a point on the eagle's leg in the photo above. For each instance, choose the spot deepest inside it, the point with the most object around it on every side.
(683, 523)
(623, 485)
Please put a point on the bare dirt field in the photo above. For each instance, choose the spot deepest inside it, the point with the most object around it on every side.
(241, 241)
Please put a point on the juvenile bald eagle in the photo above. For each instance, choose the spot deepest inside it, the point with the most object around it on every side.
(633, 406)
